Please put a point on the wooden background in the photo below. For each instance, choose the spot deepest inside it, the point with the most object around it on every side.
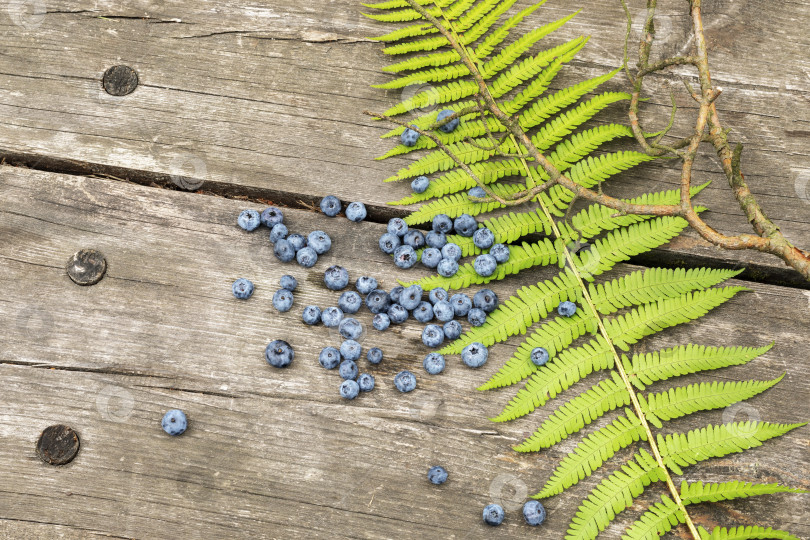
(264, 101)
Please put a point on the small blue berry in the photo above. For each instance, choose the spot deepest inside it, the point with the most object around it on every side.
(375, 355)
(366, 382)
(331, 317)
(447, 267)
(420, 184)
(348, 369)
(476, 317)
(336, 277)
(349, 389)
(414, 238)
(278, 232)
(451, 251)
(311, 315)
(493, 514)
(423, 312)
(452, 329)
(486, 299)
(288, 282)
(395, 293)
(330, 205)
(442, 223)
(433, 363)
(449, 126)
(249, 220)
(500, 252)
(404, 381)
(350, 302)
(443, 311)
(437, 475)
(283, 300)
(461, 304)
(405, 257)
(435, 239)
(431, 257)
(485, 265)
(329, 358)
(319, 241)
(279, 353)
(483, 238)
(409, 137)
(539, 356)
(477, 192)
(465, 225)
(567, 309)
(174, 422)
(350, 328)
(297, 241)
(534, 512)
(350, 350)
(242, 288)
(389, 243)
(356, 211)
(432, 335)
(437, 295)
(365, 284)
(377, 301)
(272, 216)
(284, 251)
(411, 297)
(306, 256)
(397, 226)
(397, 314)
(474, 355)
(381, 321)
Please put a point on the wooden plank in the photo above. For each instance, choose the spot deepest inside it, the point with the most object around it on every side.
(270, 97)
(277, 454)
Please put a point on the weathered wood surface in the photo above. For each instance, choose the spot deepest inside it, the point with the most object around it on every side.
(277, 453)
(270, 96)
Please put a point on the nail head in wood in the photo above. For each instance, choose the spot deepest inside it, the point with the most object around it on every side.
(86, 267)
(58, 444)
(120, 80)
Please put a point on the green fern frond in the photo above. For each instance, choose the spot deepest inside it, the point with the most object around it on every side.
(459, 203)
(745, 533)
(497, 36)
(445, 73)
(401, 15)
(415, 30)
(435, 95)
(396, 4)
(437, 59)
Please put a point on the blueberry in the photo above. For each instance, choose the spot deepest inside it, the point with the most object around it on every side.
(442, 223)
(330, 205)
(493, 514)
(539, 356)
(319, 241)
(411, 297)
(486, 299)
(443, 311)
(395, 293)
(350, 350)
(377, 301)
(174, 422)
(283, 300)
(356, 211)
(485, 265)
(272, 216)
(405, 381)
(306, 256)
(433, 363)
(288, 282)
(329, 358)
(397, 226)
(477, 317)
(477, 192)
(534, 512)
(375, 355)
(348, 369)
(331, 317)
(423, 312)
(447, 267)
(432, 335)
(420, 184)
(389, 243)
(465, 225)
(397, 314)
(249, 220)
(431, 257)
(483, 238)
(366, 382)
(500, 252)
(242, 288)
(365, 284)
(437, 295)
(474, 355)
(279, 353)
(451, 251)
(437, 475)
(381, 321)
(448, 126)
(350, 302)
(435, 239)
(278, 232)
(461, 304)
(284, 251)
(452, 329)
(350, 328)
(567, 309)
(297, 241)
(336, 277)
(409, 137)
(349, 389)
(405, 257)
(414, 238)
(311, 315)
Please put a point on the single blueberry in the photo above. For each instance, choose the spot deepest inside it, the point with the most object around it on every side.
(534, 512)
(500, 252)
(420, 184)
(409, 137)
(567, 309)
(306, 256)
(311, 315)
(350, 302)
(288, 282)
(442, 223)
(405, 257)
(365, 284)
(411, 297)
(330, 205)
(448, 126)
(350, 328)
(465, 225)
(356, 211)
(486, 299)
(493, 514)
(329, 358)
(539, 356)
(283, 300)
(381, 321)
(278, 232)
(249, 220)
(485, 265)
(336, 277)
(431, 257)
(404, 381)
(437, 475)
(443, 311)
(331, 317)
(423, 312)
(377, 301)
(397, 226)
(395, 293)
(477, 192)
(397, 314)
(432, 335)
(319, 241)
(297, 241)
(435, 239)
(242, 288)
(174, 422)
(477, 317)
(375, 355)
(461, 304)
(272, 216)
(349, 389)
(451, 251)
(483, 238)
(433, 363)
(474, 355)
(350, 350)
(389, 243)
(437, 295)
(447, 267)
(284, 251)
(452, 329)
(348, 369)
(414, 238)
(366, 382)
(279, 353)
